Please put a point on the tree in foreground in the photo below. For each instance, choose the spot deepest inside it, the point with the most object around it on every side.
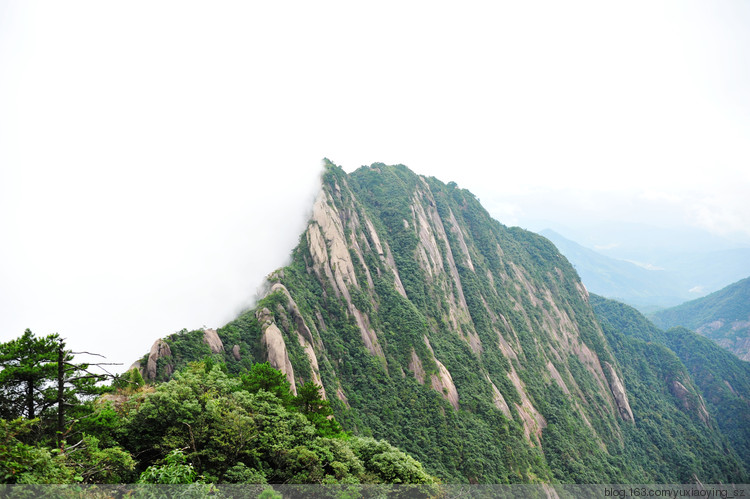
(230, 434)
(29, 364)
(204, 425)
(39, 379)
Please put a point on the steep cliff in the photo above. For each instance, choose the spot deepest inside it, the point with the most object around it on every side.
(469, 344)
(452, 336)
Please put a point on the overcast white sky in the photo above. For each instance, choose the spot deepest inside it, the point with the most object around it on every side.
(157, 159)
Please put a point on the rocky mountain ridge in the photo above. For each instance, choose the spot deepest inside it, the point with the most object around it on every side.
(471, 345)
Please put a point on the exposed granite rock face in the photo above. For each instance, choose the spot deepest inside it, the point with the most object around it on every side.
(293, 310)
(294, 322)
(734, 335)
(159, 350)
(330, 252)
(136, 365)
(738, 344)
(533, 421)
(618, 391)
(442, 382)
(342, 397)
(722, 316)
(482, 301)
(441, 270)
(310, 352)
(558, 379)
(415, 366)
(690, 402)
(273, 341)
(211, 338)
(385, 256)
(499, 400)
(347, 247)
(731, 388)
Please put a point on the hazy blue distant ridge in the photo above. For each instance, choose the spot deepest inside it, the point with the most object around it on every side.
(621, 280)
(661, 278)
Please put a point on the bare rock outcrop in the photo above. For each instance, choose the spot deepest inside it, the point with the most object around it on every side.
(273, 341)
(329, 246)
(619, 393)
(415, 366)
(443, 384)
(137, 365)
(330, 252)
(236, 352)
(296, 315)
(556, 376)
(159, 350)
(211, 338)
(436, 258)
(385, 256)
(313, 358)
(342, 397)
(731, 388)
(499, 400)
(683, 395)
(456, 230)
(533, 421)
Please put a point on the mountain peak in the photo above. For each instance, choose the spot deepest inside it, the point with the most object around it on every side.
(464, 342)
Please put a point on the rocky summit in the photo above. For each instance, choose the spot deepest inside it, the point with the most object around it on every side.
(470, 345)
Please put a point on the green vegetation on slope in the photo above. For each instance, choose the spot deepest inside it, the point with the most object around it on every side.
(724, 381)
(203, 425)
(470, 345)
(722, 316)
(688, 421)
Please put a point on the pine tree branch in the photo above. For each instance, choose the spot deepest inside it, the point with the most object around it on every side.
(68, 449)
(89, 353)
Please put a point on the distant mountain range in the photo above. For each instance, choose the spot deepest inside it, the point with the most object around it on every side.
(723, 316)
(657, 280)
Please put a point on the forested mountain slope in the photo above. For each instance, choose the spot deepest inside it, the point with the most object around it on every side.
(466, 343)
(682, 386)
(723, 316)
